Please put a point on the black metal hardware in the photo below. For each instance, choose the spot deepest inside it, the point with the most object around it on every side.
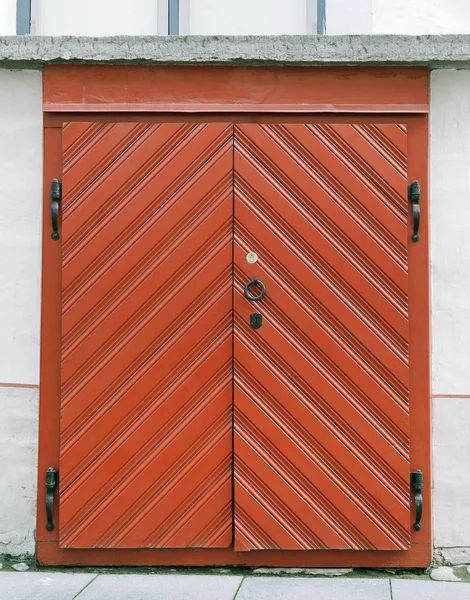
(414, 194)
(416, 482)
(52, 479)
(255, 282)
(256, 320)
(56, 196)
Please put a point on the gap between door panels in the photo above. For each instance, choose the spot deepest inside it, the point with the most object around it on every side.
(233, 335)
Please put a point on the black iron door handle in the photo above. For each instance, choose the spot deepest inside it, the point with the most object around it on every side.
(56, 193)
(261, 295)
(416, 482)
(52, 479)
(414, 194)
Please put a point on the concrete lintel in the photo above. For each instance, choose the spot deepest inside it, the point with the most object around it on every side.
(430, 50)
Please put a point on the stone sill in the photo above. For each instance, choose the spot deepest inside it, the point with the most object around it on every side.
(434, 51)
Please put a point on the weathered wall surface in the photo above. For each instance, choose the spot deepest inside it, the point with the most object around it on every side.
(451, 445)
(18, 453)
(450, 264)
(8, 17)
(20, 276)
(20, 223)
(434, 51)
(88, 17)
(420, 16)
(450, 184)
(348, 17)
(398, 16)
(245, 17)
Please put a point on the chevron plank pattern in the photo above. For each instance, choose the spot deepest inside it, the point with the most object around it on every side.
(146, 371)
(322, 388)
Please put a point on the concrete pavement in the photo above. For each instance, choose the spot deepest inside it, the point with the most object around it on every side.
(62, 585)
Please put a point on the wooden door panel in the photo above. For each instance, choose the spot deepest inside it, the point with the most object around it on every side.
(299, 276)
(340, 237)
(322, 388)
(146, 358)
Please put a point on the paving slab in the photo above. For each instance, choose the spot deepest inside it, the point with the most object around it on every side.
(162, 587)
(301, 588)
(412, 589)
(42, 586)
(444, 574)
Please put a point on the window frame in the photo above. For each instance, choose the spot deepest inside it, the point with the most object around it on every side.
(174, 17)
(23, 17)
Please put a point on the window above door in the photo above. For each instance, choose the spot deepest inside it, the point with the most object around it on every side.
(226, 17)
(167, 17)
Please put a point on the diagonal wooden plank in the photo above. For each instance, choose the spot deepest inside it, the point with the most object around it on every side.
(322, 437)
(146, 371)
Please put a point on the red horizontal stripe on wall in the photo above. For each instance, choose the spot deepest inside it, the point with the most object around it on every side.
(19, 385)
(451, 396)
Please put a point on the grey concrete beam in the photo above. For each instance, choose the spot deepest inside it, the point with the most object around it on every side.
(431, 50)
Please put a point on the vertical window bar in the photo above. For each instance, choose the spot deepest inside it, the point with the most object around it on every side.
(321, 17)
(173, 17)
(23, 17)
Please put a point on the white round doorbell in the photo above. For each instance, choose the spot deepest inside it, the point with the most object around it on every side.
(251, 258)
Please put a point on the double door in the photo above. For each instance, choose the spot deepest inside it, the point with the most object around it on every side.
(199, 410)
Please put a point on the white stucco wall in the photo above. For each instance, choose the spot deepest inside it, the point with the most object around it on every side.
(348, 16)
(7, 17)
(450, 263)
(450, 226)
(20, 276)
(451, 455)
(414, 17)
(245, 17)
(20, 224)
(18, 453)
(418, 17)
(94, 18)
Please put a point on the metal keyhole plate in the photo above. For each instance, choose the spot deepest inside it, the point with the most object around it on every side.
(256, 320)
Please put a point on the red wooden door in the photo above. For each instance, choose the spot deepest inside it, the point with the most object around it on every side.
(154, 260)
(322, 387)
(146, 364)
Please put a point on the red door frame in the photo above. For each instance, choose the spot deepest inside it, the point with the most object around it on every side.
(160, 94)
